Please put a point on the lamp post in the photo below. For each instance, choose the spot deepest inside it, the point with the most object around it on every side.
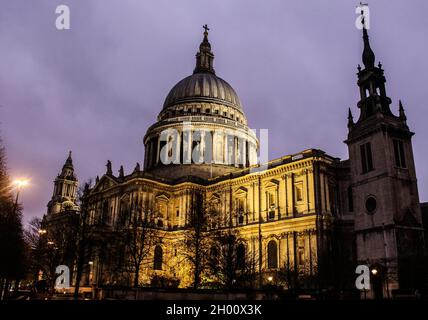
(19, 183)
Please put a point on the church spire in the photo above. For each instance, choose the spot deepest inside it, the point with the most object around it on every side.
(65, 190)
(67, 168)
(204, 58)
(368, 54)
(69, 162)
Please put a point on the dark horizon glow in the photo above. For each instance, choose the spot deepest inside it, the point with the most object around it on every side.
(95, 89)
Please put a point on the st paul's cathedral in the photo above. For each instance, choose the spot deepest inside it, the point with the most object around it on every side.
(307, 218)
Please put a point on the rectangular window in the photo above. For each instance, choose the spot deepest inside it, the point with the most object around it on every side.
(400, 158)
(301, 257)
(298, 192)
(271, 203)
(350, 200)
(271, 200)
(366, 157)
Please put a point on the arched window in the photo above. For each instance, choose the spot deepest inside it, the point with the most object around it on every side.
(272, 253)
(157, 261)
(240, 256)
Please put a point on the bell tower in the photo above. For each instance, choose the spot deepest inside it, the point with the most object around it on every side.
(388, 224)
(64, 197)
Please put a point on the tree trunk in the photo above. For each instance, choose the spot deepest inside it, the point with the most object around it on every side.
(197, 264)
(1, 288)
(80, 254)
(6, 289)
(79, 271)
(79, 268)
(136, 276)
(17, 281)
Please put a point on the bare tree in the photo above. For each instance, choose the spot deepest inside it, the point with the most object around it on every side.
(197, 240)
(51, 245)
(141, 235)
(32, 236)
(230, 262)
(81, 236)
(12, 245)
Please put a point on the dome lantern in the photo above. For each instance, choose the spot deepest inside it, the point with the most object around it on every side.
(204, 58)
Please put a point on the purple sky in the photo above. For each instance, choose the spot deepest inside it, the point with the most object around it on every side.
(96, 88)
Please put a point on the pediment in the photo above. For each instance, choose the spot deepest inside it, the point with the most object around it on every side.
(241, 191)
(273, 183)
(214, 198)
(104, 183)
(162, 197)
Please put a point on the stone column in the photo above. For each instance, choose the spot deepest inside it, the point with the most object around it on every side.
(285, 195)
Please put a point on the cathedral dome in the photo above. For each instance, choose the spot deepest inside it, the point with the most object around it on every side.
(203, 87)
(201, 130)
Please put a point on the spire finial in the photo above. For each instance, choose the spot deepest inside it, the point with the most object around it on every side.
(401, 111)
(68, 162)
(350, 118)
(206, 29)
(137, 168)
(204, 58)
(368, 54)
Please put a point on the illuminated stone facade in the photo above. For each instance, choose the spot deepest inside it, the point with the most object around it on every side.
(306, 214)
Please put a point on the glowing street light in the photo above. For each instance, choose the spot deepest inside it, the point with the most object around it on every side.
(20, 183)
(42, 231)
(374, 272)
(270, 278)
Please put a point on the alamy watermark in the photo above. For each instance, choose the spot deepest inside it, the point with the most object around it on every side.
(62, 21)
(363, 19)
(363, 280)
(189, 144)
(62, 281)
